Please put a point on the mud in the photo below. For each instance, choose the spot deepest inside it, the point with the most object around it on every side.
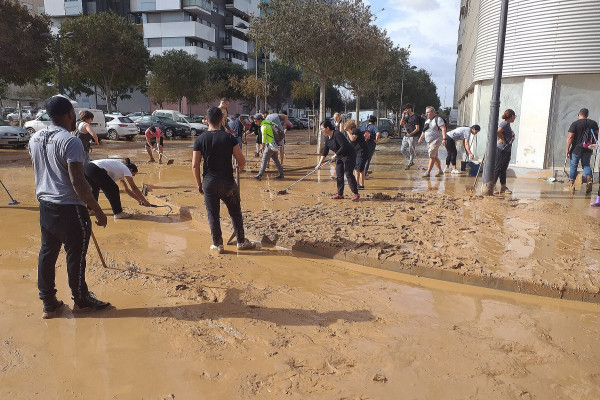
(285, 323)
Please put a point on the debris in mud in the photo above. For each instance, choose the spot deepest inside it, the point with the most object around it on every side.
(379, 377)
(381, 196)
(181, 287)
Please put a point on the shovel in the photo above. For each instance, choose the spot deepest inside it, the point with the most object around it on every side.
(237, 178)
(169, 162)
(472, 188)
(284, 191)
(13, 202)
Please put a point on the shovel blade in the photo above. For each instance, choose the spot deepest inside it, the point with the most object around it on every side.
(170, 162)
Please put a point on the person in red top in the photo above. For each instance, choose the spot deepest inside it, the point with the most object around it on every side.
(152, 135)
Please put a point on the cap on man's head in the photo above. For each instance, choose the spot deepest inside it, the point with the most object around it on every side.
(259, 116)
(58, 105)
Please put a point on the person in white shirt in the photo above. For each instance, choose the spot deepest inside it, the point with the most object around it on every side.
(461, 133)
(103, 174)
(434, 133)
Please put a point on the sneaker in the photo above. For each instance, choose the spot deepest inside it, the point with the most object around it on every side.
(218, 248)
(407, 166)
(338, 197)
(588, 188)
(152, 160)
(505, 190)
(51, 307)
(257, 177)
(410, 164)
(89, 301)
(246, 245)
(122, 215)
(446, 170)
(279, 176)
(426, 175)
(256, 154)
(356, 197)
(569, 188)
(440, 173)
(360, 187)
(455, 171)
(596, 203)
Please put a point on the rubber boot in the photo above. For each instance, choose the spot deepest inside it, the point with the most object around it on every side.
(596, 203)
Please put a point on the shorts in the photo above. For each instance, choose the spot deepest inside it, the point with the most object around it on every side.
(433, 147)
(153, 141)
(361, 162)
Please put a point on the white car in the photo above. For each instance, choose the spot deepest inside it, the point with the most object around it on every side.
(196, 128)
(119, 126)
(15, 115)
(42, 121)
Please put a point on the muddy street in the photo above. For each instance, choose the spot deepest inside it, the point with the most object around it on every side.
(420, 290)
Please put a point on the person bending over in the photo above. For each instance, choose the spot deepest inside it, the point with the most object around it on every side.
(462, 133)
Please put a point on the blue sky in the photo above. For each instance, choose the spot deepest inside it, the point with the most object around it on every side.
(430, 27)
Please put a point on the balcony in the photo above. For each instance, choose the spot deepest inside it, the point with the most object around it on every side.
(247, 7)
(232, 21)
(73, 7)
(235, 44)
(201, 53)
(198, 6)
(189, 29)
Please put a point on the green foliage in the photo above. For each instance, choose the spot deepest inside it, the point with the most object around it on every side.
(175, 74)
(217, 82)
(420, 90)
(106, 50)
(23, 52)
(281, 75)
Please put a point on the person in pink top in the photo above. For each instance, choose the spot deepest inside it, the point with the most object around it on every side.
(154, 135)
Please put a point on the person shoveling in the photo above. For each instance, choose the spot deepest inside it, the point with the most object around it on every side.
(154, 136)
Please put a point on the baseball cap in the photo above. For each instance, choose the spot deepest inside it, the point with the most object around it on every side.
(58, 105)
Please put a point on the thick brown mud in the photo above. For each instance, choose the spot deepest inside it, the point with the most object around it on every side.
(284, 323)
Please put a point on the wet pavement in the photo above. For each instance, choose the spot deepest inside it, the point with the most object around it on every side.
(283, 323)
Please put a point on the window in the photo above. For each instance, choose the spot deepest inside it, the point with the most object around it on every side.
(156, 42)
(153, 18)
(41, 10)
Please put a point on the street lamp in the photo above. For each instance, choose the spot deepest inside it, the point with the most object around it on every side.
(61, 88)
(412, 67)
(243, 26)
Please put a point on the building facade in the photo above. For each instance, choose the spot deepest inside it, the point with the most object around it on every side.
(551, 70)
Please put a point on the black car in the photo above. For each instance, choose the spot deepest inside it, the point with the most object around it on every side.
(169, 127)
(297, 123)
(386, 127)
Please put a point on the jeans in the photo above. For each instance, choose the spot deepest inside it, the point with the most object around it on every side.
(215, 190)
(372, 145)
(502, 161)
(585, 163)
(271, 153)
(98, 179)
(452, 152)
(67, 224)
(345, 166)
(239, 140)
(408, 148)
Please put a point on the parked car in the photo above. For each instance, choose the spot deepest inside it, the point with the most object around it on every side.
(118, 126)
(14, 116)
(13, 136)
(167, 125)
(135, 115)
(385, 127)
(198, 118)
(196, 128)
(98, 124)
(298, 123)
(306, 122)
(7, 110)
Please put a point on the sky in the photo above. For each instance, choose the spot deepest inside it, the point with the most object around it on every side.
(430, 27)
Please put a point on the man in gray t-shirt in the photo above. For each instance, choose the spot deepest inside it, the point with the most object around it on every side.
(63, 193)
(434, 133)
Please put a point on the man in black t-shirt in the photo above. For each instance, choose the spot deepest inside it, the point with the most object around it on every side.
(583, 133)
(215, 148)
(411, 122)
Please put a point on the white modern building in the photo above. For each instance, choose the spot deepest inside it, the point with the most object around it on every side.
(551, 71)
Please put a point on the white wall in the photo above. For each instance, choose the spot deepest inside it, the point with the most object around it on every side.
(533, 127)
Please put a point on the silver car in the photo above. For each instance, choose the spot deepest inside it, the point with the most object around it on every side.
(12, 136)
(119, 126)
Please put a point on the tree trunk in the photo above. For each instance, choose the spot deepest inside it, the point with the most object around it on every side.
(323, 87)
(179, 104)
(357, 95)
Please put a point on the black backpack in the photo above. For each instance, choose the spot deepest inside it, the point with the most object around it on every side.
(278, 134)
(421, 124)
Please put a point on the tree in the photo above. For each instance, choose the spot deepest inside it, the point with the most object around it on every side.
(305, 90)
(281, 75)
(217, 82)
(174, 75)
(107, 50)
(326, 27)
(251, 87)
(24, 53)
(420, 90)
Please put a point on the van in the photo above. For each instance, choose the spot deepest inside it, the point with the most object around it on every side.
(43, 120)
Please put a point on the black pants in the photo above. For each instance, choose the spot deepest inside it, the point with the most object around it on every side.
(371, 145)
(98, 179)
(70, 225)
(216, 190)
(502, 161)
(345, 166)
(452, 152)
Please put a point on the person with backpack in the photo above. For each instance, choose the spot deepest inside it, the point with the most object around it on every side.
(582, 134)
(271, 135)
(434, 133)
(372, 136)
(279, 122)
(414, 127)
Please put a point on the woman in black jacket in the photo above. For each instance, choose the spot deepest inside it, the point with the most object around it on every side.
(344, 157)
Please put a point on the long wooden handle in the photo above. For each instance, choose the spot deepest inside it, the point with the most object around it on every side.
(99, 252)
